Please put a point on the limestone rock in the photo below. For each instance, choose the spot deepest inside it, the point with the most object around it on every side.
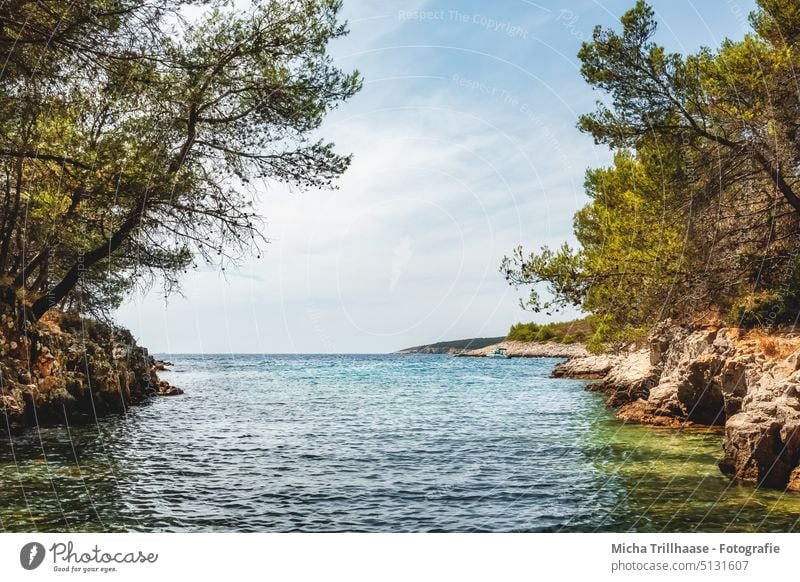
(741, 380)
(71, 369)
(630, 378)
(164, 388)
(517, 349)
(586, 367)
(161, 365)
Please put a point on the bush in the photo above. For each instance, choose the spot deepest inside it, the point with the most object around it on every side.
(523, 332)
(768, 308)
(567, 332)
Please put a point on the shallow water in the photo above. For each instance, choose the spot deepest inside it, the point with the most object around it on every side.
(375, 443)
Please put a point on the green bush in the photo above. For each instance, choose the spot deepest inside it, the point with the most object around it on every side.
(765, 309)
(776, 306)
(567, 332)
(523, 332)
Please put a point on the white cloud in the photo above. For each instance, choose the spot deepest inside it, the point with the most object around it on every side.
(448, 176)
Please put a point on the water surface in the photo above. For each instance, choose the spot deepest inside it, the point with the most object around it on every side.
(374, 443)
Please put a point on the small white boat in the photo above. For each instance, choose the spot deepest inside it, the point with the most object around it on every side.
(498, 353)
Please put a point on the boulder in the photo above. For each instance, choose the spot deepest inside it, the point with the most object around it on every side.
(70, 369)
(716, 377)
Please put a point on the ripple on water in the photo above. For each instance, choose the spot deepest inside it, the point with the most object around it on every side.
(375, 443)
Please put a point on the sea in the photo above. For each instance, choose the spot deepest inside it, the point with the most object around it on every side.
(375, 443)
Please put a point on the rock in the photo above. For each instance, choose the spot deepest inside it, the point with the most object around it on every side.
(639, 411)
(794, 360)
(630, 379)
(46, 364)
(161, 365)
(73, 369)
(794, 480)
(714, 376)
(517, 349)
(733, 384)
(586, 367)
(164, 388)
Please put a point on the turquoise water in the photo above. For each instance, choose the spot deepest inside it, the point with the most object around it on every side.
(374, 443)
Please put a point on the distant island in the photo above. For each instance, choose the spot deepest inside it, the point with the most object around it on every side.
(481, 347)
(454, 346)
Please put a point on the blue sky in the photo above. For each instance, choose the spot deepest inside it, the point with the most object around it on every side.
(464, 146)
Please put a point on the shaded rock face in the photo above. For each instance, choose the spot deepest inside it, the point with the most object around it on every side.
(678, 379)
(747, 382)
(65, 368)
(630, 379)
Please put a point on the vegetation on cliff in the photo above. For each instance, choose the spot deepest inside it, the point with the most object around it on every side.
(699, 212)
(131, 134)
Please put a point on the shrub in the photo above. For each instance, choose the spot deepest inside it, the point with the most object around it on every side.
(768, 308)
(545, 333)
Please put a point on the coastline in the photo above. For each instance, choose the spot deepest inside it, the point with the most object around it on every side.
(447, 436)
(68, 369)
(744, 383)
(517, 349)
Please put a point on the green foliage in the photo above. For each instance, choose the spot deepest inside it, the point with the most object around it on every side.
(631, 253)
(567, 332)
(544, 334)
(522, 332)
(779, 306)
(132, 134)
(699, 211)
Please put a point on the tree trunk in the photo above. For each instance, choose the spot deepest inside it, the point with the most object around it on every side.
(86, 261)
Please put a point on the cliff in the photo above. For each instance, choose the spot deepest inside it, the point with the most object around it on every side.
(67, 368)
(745, 381)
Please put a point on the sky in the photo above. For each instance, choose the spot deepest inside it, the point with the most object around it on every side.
(465, 145)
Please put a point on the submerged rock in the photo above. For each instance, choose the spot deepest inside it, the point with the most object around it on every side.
(748, 382)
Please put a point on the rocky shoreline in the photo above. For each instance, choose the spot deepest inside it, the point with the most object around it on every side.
(70, 369)
(745, 382)
(517, 349)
